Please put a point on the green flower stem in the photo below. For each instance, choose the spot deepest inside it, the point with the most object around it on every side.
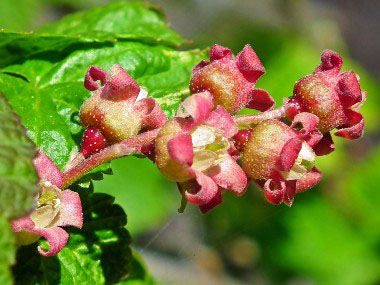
(254, 119)
(112, 152)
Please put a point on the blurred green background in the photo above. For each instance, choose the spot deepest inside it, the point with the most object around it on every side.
(331, 234)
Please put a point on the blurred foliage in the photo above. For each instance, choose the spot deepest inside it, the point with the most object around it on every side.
(329, 236)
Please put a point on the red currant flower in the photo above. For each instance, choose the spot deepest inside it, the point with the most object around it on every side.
(230, 80)
(280, 159)
(55, 209)
(117, 110)
(194, 149)
(334, 96)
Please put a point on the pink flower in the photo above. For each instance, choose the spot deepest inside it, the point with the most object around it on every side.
(117, 110)
(280, 159)
(55, 209)
(230, 80)
(194, 149)
(334, 96)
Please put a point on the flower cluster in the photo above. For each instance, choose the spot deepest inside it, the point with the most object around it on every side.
(207, 148)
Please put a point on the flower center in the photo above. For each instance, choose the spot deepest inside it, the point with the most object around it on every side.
(48, 205)
(304, 163)
(209, 145)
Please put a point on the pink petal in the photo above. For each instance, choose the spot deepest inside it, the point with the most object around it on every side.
(56, 237)
(221, 119)
(330, 60)
(181, 149)
(93, 141)
(354, 127)
(152, 115)
(260, 100)
(229, 175)
(94, 74)
(22, 224)
(120, 85)
(325, 145)
(198, 106)
(199, 66)
(217, 200)
(313, 138)
(289, 154)
(47, 170)
(218, 52)
(348, 89)
(309, 180)
(274, 191)
(249, 64)
(201, 190)
(71, 213)
(308, 121)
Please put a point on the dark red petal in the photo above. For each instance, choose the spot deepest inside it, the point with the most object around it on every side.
(181, 149)
(47, 170)
(308, 121)
(198, 106)
(330, 60)
(354, 127)
(222, 120)
(325, 145)
(249, 64)
(260, 100)
(120, 85)
(313, 138)
(94, 74)
(201, 190)
(93, 141)
(290, 192)
(217, 200)
(152, 115)
(199, 66)
(218, 52)
(241, 139)
(274, 191)
(149, 151)
(348, 89)
(309, 180)
(289, 154)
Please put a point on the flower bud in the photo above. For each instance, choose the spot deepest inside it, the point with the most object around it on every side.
(230, 80)
(333, 96)
(118, 109)
(279, 160)
(193, 149)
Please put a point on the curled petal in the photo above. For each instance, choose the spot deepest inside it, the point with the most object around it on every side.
(274, 191)
(56, 237)
(358, 105)
(260, 100)
(201, 190)
(94, 74)
(71, 212)
(217, 200)
(308, 121)
(199, 66)
(198, 106)
(120, 85)
(229, 175)
(348, 89)
(325, 145)
(221, 119)
(309, 180)
(289, 154)
(249, 64)
(47, 170)
(181, 149)
(218, 52)
(152, 115)
(330, 60)
(353, 129)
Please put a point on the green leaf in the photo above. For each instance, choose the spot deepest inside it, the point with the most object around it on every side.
(6, 252)
(17, 175)
(140, 21)
(139, 274)
(99, 253)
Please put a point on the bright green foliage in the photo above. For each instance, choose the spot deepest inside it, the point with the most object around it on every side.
(99, 253)
(7, 251)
